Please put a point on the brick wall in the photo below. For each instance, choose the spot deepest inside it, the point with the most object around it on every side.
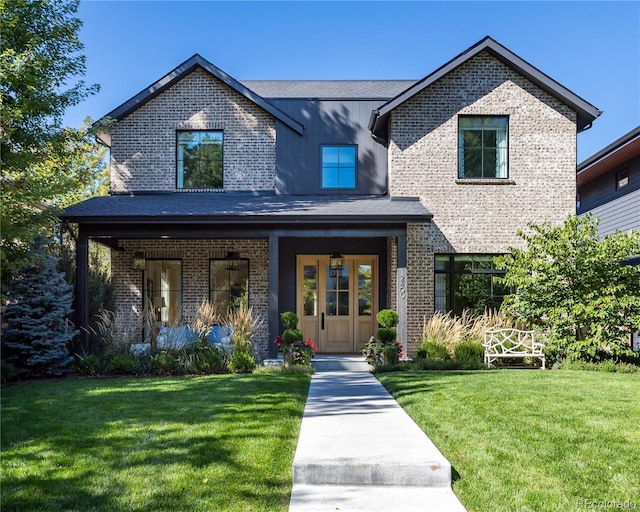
(479, 217)
(143, 148)
(195, 255)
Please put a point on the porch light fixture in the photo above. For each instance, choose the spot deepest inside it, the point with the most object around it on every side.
(138, 262)
(336, 261)
(232, 262)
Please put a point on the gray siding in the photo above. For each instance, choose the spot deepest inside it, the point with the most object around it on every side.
(298, 158)
(603, 189)
(622, 213)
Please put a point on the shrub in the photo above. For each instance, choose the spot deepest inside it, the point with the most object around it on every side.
(88, 365)
(605, 366)
(124, 364)
(8, 372)
(292, 335)
(386, 335)
(289, 319)
(209, 360)
(387, 318)
(242, 362)
(469, 354)
(163, 363)
(433, 350)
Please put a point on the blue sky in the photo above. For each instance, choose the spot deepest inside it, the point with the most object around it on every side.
(592, 47)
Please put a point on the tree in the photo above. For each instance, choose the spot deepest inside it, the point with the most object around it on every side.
(574, 283)
(43, 164)
(35, 338)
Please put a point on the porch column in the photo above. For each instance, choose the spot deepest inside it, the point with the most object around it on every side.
(82, 285)
(401, 290)
(274, 315)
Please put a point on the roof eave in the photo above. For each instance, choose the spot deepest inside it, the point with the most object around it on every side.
(180, 72)
(586, 112)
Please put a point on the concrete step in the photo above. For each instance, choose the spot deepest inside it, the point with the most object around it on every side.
(332, 363)
(315, 498)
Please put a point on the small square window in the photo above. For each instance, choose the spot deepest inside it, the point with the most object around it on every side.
(339, 164)
(622, 179)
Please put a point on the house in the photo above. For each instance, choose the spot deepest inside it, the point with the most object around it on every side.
(608, 187)
(334, 199)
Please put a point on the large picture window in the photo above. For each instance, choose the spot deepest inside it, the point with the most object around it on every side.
(200, 159)
(482, 147)
(228, 283)
(339, 166)
(467, 281)
(163, 291)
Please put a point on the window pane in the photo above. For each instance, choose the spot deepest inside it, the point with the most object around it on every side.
(489, 163)
(347, 156)
(229, 287)
(332, 307)
(442, 262)
(343, 279)
(462, 262)
(482, 147)
(339, 164)
(163, 290)
(365, 291)
(330, 177)
(331, 279)
(310, 299)
(200, 161)
(442, 293)
(348, 177)
(343, 304)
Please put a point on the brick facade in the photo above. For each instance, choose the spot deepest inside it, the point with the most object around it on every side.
(475, 216)
(469, 216)
(143, 147)
(195, 256)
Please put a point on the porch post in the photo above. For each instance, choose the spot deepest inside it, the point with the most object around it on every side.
(274, 316)
(401, 297)
(82, 285)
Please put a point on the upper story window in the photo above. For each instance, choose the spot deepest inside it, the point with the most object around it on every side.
(622, 179)
(339, 166)
(482, 146)
(200, 159)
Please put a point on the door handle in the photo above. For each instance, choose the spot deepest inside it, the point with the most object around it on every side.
(322, 321)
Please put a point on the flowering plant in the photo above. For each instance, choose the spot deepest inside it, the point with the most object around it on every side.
(295, 349)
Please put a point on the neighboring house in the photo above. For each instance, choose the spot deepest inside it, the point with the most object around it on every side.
(609, 189)
(334, 199)
(609, 185)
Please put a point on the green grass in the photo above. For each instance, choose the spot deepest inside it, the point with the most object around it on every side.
(189, 444)
(522, 440)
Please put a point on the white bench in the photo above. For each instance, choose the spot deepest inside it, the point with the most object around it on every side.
(508, 343)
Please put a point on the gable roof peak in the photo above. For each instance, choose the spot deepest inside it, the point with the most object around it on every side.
(177, 74)
(586, 112)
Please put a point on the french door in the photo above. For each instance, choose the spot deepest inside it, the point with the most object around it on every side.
(337, 307)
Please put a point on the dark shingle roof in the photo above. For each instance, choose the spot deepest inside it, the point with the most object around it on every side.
(329, 89)
(210, 207)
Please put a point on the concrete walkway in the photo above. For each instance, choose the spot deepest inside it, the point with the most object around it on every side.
(358, 450)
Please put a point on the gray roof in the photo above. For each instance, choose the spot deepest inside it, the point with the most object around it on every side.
(329, 89)
(586, 112)
(211, 207)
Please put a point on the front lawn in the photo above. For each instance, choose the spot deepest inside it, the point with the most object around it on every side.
(203, 443)
(528, 440)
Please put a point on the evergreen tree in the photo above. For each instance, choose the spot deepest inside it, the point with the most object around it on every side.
(36, 334)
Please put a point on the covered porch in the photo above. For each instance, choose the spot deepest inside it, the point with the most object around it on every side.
(282, 243)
